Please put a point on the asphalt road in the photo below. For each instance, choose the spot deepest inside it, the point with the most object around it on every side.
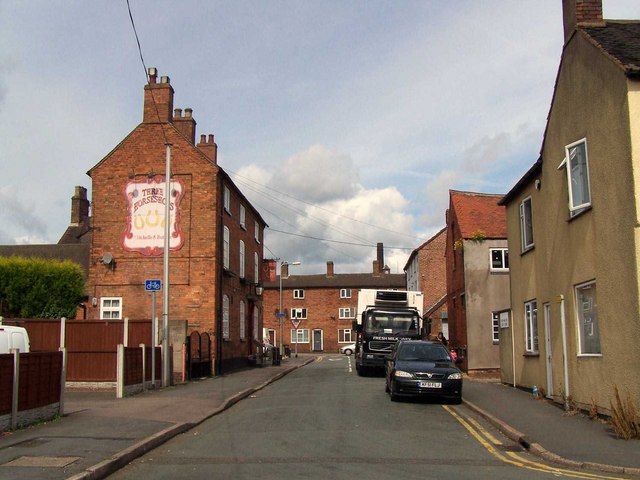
(323, 421)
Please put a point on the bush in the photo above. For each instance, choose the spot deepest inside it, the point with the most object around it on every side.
(39, 288)
(624, 419)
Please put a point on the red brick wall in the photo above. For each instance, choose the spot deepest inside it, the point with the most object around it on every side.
(455, 282)
(323, 306)
(196, 277)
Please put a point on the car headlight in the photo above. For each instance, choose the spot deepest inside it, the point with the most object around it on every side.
(402, 374)
(455, 376)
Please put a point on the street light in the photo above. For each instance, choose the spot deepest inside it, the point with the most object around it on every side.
(280, 311)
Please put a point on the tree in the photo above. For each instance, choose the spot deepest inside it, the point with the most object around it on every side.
(39, 288)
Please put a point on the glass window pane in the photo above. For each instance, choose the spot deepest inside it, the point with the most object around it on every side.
(579, 176)
(588, 319)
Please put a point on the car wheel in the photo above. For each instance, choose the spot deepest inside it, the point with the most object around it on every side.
(392, 395)
(348, 352)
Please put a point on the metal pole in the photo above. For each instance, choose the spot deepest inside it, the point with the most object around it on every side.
(280, 317)
(153, 339)
(166, 374)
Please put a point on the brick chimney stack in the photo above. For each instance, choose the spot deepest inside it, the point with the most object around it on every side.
(185, 124)
(284, 270)
(380, 255)
(158, 99)
(79, 206)
(329, 269)
(580, 12)
(209, 147)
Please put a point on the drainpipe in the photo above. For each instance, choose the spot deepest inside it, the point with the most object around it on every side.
(565, 367)
(513, 352)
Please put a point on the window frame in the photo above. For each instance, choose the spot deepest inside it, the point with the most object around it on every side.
(226, 248)
(302, 313)
(242, 255)
(569, 165)
(345, 293)
(243, 320)
(110, 308)
(343, 310)
(531, 338)
(226, 322)
(256, 267)
(595, 326)
(298, 293)
(342, 335)
(495, 327)
(243, 217)
(256, 233)
(524, 231)
(298, 331)
(227, 199)
(504, 259)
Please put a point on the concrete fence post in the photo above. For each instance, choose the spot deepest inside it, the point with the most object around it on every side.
(16, 388)
(63, 333)
(144, 370)
(120, 372)
(63, 381)
(125, 335)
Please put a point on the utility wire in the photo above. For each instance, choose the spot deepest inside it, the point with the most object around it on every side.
(324, 209)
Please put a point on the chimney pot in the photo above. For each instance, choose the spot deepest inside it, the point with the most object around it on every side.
(211, 138)
(177, 112)
(153, 73)
(203, 138)
(165, 79)
(188, 112)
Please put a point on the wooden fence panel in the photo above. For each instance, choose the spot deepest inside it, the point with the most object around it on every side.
(40, 375)
(44, 333)
(6, 383)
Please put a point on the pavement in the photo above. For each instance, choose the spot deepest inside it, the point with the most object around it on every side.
(99, 434)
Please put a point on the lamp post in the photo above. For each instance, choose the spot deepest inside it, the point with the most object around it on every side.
(280, 311)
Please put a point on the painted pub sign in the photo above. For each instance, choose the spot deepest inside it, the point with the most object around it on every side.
(146, 216)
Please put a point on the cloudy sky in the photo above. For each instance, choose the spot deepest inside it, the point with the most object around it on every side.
(344, 122)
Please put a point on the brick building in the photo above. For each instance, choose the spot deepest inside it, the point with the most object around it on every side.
(426, 272)
(325, 304)
(216, 235)
(477, 259)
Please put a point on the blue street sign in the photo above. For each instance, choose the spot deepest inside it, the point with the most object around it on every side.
(154, 285)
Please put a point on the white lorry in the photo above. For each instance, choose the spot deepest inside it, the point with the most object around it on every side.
(383, 318)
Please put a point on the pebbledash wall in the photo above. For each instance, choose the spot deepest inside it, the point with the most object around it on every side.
(216, 234)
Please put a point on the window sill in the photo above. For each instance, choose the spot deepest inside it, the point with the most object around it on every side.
(589, 355)
(502, 271)
(527, 250)
(579, 214)
(531, 354)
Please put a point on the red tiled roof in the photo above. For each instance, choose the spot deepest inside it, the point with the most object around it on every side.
(479, 211)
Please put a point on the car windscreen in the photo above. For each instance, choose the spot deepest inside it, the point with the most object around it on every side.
(379, 321)
(423, 352)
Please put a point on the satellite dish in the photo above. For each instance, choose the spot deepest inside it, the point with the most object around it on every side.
(107, 259)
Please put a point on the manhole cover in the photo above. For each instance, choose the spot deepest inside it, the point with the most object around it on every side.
(55, 462)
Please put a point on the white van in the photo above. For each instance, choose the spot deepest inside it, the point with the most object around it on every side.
(13, 337)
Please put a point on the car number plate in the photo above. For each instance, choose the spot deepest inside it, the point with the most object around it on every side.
(430, 385)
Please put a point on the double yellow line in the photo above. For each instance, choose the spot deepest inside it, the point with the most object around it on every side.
(493, 445)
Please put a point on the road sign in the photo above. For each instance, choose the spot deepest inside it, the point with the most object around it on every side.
(153, 285)
(296, 322)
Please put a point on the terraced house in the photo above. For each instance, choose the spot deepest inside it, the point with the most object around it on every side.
(572, 223)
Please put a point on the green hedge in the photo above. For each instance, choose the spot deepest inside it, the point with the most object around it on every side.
(39, 288)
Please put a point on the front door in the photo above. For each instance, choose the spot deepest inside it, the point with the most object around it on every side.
(547, 347)
(317, 340)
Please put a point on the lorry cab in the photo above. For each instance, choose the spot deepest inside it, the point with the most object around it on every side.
(13, 338)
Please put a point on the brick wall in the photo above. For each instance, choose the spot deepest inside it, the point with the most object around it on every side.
(197, 280)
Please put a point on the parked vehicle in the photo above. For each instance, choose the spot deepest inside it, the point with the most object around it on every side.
(348, 349)
(383, 318)
(422, 369)
(13, 337)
